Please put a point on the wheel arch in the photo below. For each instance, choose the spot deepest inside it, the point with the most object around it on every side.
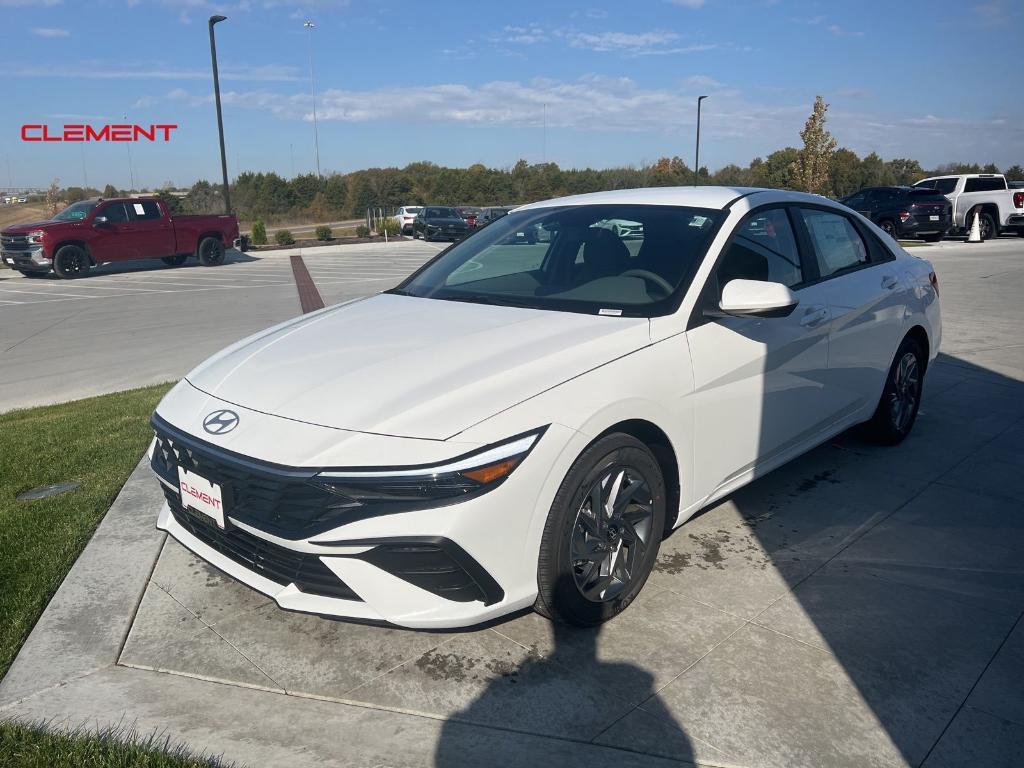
(79, 243)
(651, 435)
(920, 335)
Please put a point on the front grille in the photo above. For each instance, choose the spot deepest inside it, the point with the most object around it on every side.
(275, 499)
(15, 242)
(280, 565)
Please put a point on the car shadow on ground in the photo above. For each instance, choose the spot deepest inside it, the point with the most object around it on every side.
(848, 609)
(231, 256)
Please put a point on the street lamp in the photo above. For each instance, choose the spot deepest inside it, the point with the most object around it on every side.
(131, 171)
(220, 120)
(312, 90)
(696, 157)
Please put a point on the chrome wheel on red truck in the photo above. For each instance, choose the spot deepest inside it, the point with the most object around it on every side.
(70, 262)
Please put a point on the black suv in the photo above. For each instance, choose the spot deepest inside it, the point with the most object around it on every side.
(435, 222)
(904, 211)
(487, 215)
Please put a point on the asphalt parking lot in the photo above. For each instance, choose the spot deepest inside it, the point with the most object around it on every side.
(861, 606)
(139, 323)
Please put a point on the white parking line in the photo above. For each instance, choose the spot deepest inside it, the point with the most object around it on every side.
(50, 293)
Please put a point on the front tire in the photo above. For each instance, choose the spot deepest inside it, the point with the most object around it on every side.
(603, 532)
(70, 262)
(211, 252)
(901, 398)
(888, 227)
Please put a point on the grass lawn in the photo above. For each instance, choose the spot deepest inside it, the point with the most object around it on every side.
(29, 746)
(96, 442)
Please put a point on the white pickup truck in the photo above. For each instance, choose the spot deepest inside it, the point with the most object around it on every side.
(999, 207)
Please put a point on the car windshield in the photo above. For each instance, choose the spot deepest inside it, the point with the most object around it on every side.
(441, 213)
(76, 212)
(610, 259)
(417, 209)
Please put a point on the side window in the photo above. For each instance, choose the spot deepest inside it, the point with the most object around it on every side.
(857, 201)
(764, 248)
(143, 210)
(114, 212)
(983, 184)
(837, 244)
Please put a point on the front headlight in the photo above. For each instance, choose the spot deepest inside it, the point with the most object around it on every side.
(36, 237)
(400, 489)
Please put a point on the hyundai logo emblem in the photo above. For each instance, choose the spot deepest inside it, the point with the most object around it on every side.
(220, 422)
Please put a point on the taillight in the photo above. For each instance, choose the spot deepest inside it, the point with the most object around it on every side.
(934, 280)
(904, 215)
(1018, 199)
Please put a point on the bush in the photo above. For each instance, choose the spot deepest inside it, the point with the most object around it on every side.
(362, 231)
(391, 227)
(323, 232)
(259, 232)
(283, 237)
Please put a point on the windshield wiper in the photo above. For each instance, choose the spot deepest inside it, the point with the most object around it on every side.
(497, 301)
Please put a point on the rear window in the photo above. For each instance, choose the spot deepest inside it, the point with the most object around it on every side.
(944, 186)
(983, 184)
(925, 192)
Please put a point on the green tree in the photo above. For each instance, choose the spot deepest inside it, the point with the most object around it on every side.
(1015, 173)
(874, 172)
(775, 171)
(905, 172)
(844, 173)
(110, 191)
(259, 232)
(810, 170)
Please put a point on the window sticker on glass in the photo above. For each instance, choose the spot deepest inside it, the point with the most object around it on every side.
(698, 221)
(139, 209)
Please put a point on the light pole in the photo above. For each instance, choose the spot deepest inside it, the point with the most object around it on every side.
(131, 171)
(220, 119)
(696, 156)
(312, 90)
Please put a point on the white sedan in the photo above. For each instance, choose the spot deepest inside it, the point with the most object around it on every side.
(406, 216)
(519, 425)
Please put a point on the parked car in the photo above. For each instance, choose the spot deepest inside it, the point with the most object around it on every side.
(94, 232)
(1016, 184)
(904, 211)
(487, 215)
(999, 207)
(469, 214)
(405, 217)
(436, 222)
(514, 427)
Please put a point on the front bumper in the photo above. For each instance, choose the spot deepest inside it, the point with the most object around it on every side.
(441, 567)
(31, 259)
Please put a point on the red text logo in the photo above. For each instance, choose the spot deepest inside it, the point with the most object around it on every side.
(82, 132)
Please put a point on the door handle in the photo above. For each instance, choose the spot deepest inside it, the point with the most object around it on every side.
(889, 282)
(814, 315)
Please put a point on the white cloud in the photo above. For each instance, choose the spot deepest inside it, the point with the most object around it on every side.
(50, 32)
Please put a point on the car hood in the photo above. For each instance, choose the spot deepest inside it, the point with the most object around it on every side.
(413, 367)
(21, 229)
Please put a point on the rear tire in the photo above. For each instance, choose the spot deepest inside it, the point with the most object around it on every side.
(901, 398)
(988, 227)
(591, 566)
(932, 238)
(174, 261)
(211, 252)
(70, 262)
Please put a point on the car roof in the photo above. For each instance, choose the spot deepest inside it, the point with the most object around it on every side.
(693, 197)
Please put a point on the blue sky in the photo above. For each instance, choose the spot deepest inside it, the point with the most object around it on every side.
(459, 83)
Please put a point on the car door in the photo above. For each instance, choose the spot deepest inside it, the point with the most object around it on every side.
(758, 380)
(112, 234)
(152, 233)
(866, 296)
(861, 203)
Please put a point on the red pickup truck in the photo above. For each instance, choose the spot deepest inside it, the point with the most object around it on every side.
(93, 232)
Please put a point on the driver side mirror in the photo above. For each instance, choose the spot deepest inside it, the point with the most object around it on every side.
(757, 298)
(99, 221)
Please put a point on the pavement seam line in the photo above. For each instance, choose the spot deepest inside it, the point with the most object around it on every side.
(399, 665)
(971, 690)
(55, 686)
(218, 634)
(138, 600)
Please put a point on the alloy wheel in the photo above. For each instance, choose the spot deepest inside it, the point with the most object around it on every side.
(906, 382)
(613, 529)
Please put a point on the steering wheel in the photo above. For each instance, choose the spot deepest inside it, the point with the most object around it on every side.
(651, 277)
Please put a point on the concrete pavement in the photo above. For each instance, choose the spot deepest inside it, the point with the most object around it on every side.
(859, 607)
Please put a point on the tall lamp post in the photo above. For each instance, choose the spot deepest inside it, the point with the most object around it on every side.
(220, 119)
(696, 156)
(312, 90)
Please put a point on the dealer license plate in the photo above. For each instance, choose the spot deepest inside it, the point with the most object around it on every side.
(201, 495)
